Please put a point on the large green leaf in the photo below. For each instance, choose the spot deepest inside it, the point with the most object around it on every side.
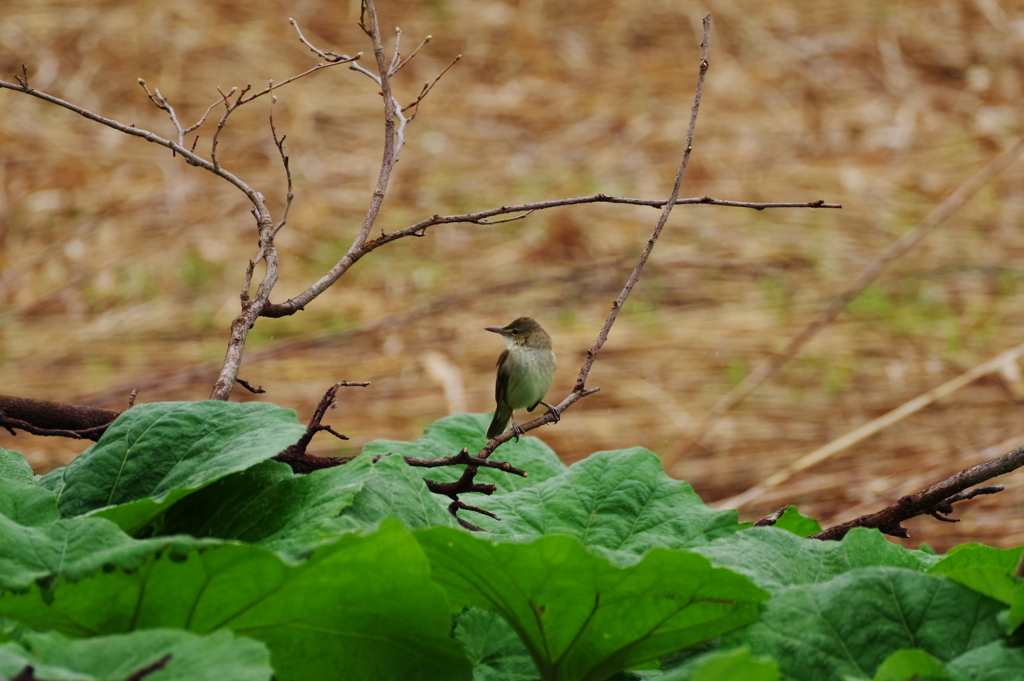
(13, 467)
(725, 665)
(849, 625)
(449, 435)
(580, 616)
(619, 500)
(913, 665)
(991, 572)
(69, 548)
(220, 656)
(269, 505)
(992, 662)
(493, 648)
(21, 499)
(364, 603)
(154, 454)
(775, 559)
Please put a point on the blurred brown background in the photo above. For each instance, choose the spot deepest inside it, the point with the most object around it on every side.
(120, 266)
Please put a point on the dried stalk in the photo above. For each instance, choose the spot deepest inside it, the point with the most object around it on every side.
(910, 239)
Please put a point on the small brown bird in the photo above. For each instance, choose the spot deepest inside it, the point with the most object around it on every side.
(525, 371)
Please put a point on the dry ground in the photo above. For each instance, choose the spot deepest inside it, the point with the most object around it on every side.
(121, 265)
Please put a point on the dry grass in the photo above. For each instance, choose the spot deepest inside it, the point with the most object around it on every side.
(121, 266)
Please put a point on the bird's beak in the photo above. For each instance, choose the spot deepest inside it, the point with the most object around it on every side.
(493, 329)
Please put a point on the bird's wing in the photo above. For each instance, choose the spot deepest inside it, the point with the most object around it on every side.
(501, 384)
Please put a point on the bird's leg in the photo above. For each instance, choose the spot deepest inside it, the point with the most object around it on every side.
(518, 430)
(553, 411)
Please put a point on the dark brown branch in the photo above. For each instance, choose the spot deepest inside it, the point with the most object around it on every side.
(296, 456)
(937, 499)
(149, 669)
(463, 457)
(258, 390)
(458, 487)
(54, 419)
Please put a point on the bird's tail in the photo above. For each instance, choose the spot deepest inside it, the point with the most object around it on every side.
(499, 422)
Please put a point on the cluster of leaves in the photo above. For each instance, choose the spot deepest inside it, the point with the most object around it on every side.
(177, 538)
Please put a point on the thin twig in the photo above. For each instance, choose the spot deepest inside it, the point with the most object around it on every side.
(256, 390)
(900, 247)
(427, 87)
(581, 379)
(161, 103)
(580, 390)
(229, 108)
(296, 456)
(414, 53)
(279, 143)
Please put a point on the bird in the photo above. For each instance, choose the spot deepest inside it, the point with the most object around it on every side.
(525, 371)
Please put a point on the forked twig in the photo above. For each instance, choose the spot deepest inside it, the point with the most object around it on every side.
(427, 87)
(937, 499)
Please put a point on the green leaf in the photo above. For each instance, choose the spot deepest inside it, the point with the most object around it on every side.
(14, 468)
(849, 625)
(21, 499)
(447, 437)
(364, 603)
(722, 665)
(216, 657)
(70, 548)
(915, 664)
(619, 500)
(800, 525)
(582, 617)
(395, 489)
(989, 571)
(993, 662)
(775, 559)
(271, 506)
(154, 454)
(493, 648)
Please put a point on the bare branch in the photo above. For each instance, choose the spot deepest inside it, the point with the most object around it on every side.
(462, 457)
(296, 456)
(190, 157)
(41, 417)
(279, 143)
(297, 303)
(161, 103)
(427, 87)
(581, 379)
(936, 499)
(229, 107)
(414, 53)
(256, 390)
